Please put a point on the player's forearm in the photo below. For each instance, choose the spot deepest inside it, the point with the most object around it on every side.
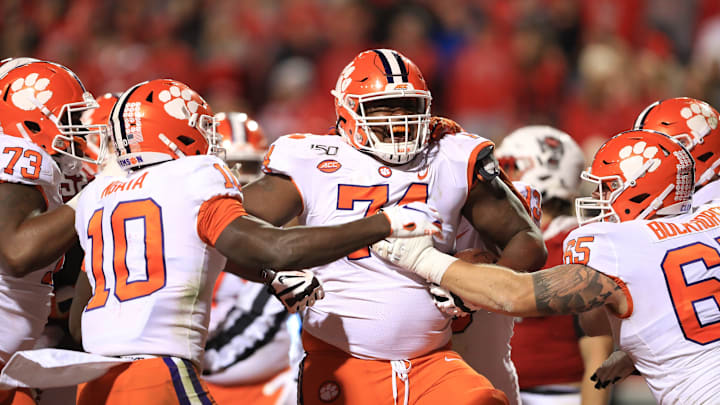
(524, 252)
(39, 241)
(254, 244)
(302, 247)
(492, 287)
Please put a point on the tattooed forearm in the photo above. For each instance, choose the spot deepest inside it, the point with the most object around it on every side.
(571, 288)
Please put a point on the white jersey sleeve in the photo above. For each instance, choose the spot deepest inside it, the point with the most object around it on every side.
(24, 162)
(591, 246)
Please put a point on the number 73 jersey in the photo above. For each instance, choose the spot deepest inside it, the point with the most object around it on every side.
(669, 269)
(151, 271)
(386, 312)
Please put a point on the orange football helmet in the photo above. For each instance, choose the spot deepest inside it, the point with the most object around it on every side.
(692, 122)
(639, 174)
(384, 79)
(100, 115)
(42, 102)
(244, 142)
(161, 120)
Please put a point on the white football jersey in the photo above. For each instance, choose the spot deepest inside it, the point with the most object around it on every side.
(152, 276)
(709, 192)
(25, 301)
(669, 268)
(372, 309)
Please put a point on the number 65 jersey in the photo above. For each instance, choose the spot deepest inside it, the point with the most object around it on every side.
(669, 269)
(373, 309)
(149, 257)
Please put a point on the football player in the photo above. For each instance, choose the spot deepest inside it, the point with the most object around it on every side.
(645, 258)
(379, 332)
(41, 138)
(693, 123)
(553, 358)
(157, 237)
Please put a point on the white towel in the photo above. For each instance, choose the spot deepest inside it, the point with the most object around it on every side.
(51, 368)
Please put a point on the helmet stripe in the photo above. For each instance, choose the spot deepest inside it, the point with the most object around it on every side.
(401, 64)
(640, 121)
(386, 64)
(118, 121)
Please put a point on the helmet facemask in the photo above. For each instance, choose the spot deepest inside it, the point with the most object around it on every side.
(393, 138)
(72, 139)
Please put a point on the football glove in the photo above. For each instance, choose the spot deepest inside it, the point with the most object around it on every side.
(414, 219)
(449, 303)
(296, 289)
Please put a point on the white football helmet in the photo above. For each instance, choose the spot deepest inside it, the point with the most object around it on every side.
(544, 157)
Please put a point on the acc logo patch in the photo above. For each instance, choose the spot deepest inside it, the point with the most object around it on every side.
(329, 391)
(329, 166)
(385, 171)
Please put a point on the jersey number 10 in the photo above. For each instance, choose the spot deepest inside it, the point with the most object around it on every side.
(150, 214)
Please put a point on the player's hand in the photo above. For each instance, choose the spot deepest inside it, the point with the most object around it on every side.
(414, 219)
(614, 369)
(449, 303)
(296, 289)
(415, 254)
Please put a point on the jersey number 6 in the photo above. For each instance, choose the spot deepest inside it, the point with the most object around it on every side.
(150, 215)
(687, 297)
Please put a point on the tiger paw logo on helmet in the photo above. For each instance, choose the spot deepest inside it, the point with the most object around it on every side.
(178, 104)
(30, 93)
(635, 156)
(699, 118)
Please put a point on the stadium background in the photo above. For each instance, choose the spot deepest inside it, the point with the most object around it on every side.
(585, 66)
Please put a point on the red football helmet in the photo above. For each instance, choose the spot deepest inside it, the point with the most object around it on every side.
(161, 120)
(692, 122)
(42, 102)
(386, 80)
(244, 142)
(639, 174)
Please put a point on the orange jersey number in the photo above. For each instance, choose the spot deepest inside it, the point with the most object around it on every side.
(34, 159)
(575, 252)
(685, 295)
(150, 214)
(376, 196)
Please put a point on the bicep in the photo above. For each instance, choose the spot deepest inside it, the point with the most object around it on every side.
(574, 288)
(496, 211)
(273, 198)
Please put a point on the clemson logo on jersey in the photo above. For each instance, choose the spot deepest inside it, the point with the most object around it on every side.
(329, 391)
(329, 166)
(385, 171)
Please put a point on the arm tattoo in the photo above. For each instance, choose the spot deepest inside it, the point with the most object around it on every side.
(571, 288)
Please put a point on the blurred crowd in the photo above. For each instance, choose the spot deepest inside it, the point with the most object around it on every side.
(585, 66)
